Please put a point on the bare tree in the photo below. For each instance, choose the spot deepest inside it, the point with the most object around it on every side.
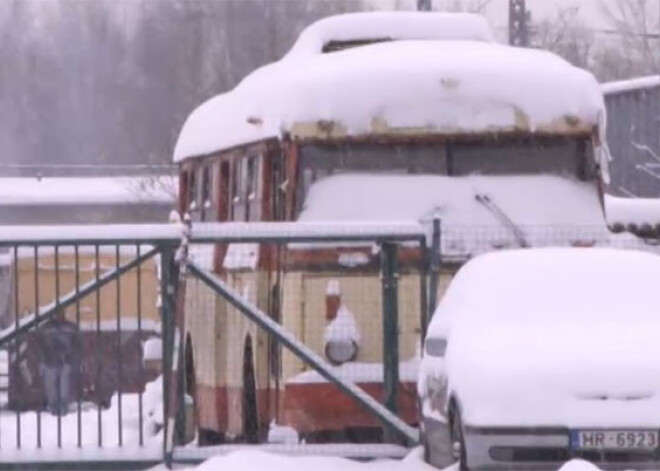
(471, 6)
(637, 23)
(565, 35)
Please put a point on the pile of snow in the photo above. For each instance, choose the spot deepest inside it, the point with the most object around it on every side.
(632, 211)
(83, 190)
(555, 210)
(6, 257)
(282, 434)
(343, 327)
(254, 460)
(360, 372)
(575, 328)
(152, 426)
(579, 465)
(390, 26)
(432, 86)
(153, 349)
(241, 256)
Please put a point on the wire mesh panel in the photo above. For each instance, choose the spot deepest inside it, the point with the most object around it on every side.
(633, 119)
(80, 351)
(330, 296)
(335, 298)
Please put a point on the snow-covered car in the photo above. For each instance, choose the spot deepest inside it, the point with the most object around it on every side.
(537, 356)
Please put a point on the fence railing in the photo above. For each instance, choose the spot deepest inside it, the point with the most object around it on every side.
(128, 345)
(81, 329)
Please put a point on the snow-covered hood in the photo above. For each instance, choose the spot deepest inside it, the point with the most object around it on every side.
(565, 374)
(555, 336)
(401, 87)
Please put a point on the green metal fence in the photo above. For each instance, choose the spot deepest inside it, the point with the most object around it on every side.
(81, 330)
(112, 392)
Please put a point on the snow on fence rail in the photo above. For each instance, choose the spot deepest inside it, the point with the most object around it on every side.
(344, 231)
(210, 232)
(113, 234)
(632, 85)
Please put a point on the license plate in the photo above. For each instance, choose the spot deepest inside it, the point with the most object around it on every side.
(614, 439)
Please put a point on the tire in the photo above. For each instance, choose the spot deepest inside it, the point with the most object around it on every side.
(437, 447)
(456, 434)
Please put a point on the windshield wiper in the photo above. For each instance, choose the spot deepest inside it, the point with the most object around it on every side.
(502, 217)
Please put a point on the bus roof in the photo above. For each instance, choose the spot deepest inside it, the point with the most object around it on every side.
(410, 86)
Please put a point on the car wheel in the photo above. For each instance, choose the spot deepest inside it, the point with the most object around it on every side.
(457, 438)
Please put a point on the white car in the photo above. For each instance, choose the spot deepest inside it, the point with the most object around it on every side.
(537, 356)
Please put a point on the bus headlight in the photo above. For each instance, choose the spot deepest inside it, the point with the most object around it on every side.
(339, 352)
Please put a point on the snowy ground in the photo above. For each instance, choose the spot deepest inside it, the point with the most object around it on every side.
(152, 408)
(259, 461)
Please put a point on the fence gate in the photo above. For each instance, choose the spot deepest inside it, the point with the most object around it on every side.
(300, 337)
(81, 361)
(119, 344)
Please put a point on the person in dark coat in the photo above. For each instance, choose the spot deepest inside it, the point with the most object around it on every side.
(59, 353)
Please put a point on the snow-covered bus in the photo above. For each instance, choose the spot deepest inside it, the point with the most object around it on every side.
(374, 116)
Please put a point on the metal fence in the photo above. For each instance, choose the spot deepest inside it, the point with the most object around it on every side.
(81, 338)
(136, 346)
(110, 340)
(299, 334)
(633, 135)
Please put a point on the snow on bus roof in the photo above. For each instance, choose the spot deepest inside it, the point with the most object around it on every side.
(374, 26)
(431, 86)
(82, 190)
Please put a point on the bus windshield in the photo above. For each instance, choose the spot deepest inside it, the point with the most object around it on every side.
(558, 156)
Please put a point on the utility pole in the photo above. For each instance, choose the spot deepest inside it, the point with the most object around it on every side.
(424, 5)
(518, 23)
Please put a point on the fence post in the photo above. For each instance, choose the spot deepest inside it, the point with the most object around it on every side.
(167, 293)
(435, 267)
(389, 269)
(423, 288)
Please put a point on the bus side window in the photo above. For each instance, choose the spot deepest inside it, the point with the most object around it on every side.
(205, 203)
(253, 188)
(224, 202)
(238, 190)
(184, 184)
(193, 194)
(190, 199)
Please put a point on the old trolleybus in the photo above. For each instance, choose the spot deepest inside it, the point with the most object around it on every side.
(384, 116)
